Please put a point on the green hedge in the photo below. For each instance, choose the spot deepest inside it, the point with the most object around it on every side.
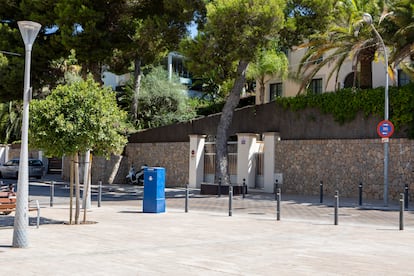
(346, 103)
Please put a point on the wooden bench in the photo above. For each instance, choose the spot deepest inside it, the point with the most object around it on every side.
(8, 205)
(7, 202)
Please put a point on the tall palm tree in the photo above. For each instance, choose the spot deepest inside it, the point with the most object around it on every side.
(345, 38)
(398, 30)
(268, 62)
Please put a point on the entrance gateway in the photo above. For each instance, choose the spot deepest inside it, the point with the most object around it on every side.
(250, 160)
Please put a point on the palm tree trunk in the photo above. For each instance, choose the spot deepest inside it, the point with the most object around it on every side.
(222, 170)
(366, 74)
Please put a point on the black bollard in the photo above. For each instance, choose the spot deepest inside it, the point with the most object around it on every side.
(230, 200)
(360, 193)
(219, 188)
(406, 196)
(187, 194)
(52, 192)
(279, 196)
(321, 192)
(336, 207)
(244, 187)
(99, 193)
(276, 187)
(401, 211)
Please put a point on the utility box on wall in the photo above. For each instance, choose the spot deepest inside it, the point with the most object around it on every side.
(154, 190)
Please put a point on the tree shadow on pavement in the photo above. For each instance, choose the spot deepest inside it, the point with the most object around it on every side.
(8, 221)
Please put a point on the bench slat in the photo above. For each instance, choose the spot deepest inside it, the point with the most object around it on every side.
(7, 206)
(7, 200)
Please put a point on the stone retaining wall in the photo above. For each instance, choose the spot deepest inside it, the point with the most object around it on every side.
(342, 165)
(174, 157)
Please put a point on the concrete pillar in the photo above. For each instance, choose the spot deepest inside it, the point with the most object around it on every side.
(196, 170)
(270, 138)
(246, 163)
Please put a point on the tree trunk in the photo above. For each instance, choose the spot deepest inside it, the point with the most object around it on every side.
(87, 184)
(93, 68)
(262, 90)
(137, 86)
(222, 170)
(365, 57)
(71, 179)
(366, 74)
(86, 195)
(77, 189)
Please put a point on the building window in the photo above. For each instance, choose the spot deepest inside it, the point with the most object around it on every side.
(403, 78)
(276, 90)
(315, 86)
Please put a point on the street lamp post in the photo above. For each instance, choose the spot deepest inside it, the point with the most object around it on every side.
(29, 31)
(368, 19)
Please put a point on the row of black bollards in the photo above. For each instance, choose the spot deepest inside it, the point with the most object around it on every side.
(278, 196)
(52, 193)
(360, 194)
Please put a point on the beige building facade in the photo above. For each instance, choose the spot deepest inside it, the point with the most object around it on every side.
(321, 83)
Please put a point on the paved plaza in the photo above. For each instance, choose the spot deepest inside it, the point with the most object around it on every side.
(119, 239)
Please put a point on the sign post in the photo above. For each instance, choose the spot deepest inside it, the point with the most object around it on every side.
(385, 129)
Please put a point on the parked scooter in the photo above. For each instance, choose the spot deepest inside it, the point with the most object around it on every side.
(136, 177)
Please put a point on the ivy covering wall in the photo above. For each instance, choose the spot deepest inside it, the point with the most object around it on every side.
(346, 103)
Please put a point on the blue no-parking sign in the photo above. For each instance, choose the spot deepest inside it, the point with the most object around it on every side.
(385, 129)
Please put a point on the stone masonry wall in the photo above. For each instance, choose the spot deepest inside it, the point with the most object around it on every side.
(174, 157)
(343, 164)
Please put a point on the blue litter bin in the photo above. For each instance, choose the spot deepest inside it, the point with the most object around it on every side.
(154, 190)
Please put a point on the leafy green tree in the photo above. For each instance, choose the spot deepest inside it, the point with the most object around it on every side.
(234, 31)
(75, 118)
(162, 101)
(268, 63)
(90, 28)
(45, 48)
(303, 19)
(147, 31)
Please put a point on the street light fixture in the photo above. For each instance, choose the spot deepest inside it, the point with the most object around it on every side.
(368, 19)
(29, 31)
